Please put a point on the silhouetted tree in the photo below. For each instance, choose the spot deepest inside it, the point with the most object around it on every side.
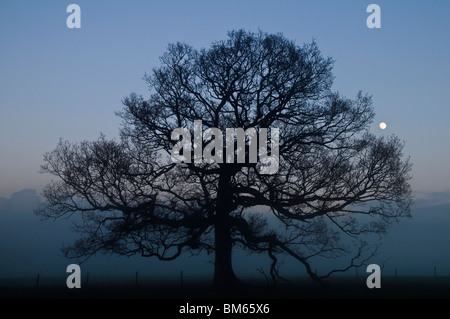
(134, 199)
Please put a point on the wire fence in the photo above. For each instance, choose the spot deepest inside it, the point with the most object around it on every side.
(137, 279)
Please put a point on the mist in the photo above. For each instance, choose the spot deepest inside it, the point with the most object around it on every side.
(29, 246)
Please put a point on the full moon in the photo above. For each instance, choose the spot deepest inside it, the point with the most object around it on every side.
(382, 125)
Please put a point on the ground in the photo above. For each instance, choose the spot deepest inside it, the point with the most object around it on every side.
(302, 288)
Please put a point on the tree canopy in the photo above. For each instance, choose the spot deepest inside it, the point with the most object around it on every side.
(335, 180)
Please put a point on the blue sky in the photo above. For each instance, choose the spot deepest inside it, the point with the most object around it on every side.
(59, 82)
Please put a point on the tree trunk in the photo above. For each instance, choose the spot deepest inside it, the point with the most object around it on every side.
(224, 276)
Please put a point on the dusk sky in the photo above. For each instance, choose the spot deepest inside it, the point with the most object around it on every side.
(60, 82)
(57, 82)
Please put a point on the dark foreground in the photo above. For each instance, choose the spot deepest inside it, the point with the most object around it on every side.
(198, 299)
(336, 288)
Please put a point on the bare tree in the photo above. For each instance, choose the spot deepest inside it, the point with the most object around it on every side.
(335, 180)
